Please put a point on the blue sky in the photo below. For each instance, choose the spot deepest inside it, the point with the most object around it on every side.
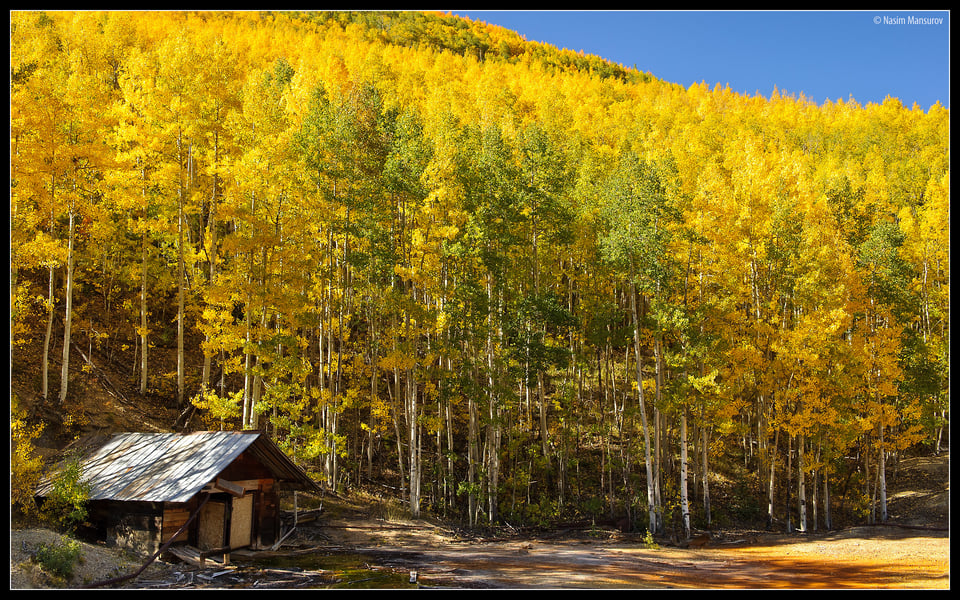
(865, 55)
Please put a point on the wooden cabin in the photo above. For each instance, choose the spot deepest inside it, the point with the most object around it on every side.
(145, 486)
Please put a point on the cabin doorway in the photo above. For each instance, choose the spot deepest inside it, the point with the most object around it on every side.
(226, 522)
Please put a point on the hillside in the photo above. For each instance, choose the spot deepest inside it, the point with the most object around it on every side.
(501, 282)
(104, 400)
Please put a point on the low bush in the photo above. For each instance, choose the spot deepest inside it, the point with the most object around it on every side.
(66, 505)
(59, 559)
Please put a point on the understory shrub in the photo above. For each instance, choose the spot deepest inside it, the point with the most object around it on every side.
(59, 559)
(66, 505)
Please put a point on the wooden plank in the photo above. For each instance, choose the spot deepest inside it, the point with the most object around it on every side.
(253, 485)
(173, 519)
(241, 522)
(212, 525)
(192, 555)
(229, 487)
(247, 485)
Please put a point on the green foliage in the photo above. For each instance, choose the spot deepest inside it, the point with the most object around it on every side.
(649, 542)
(66, 504)
(637, 219)
(59, 559)
(536, 330)
(887, 273)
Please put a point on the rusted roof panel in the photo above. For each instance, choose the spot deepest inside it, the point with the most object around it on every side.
(170, 467)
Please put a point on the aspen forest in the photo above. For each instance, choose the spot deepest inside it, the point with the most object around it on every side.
(504, 282)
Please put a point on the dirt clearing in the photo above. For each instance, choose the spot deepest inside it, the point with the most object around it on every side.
(862, 557)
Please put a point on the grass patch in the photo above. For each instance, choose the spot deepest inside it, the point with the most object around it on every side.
(59, 559)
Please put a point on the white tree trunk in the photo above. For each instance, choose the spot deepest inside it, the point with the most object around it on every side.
(651, 499)
(801, 487)
(472, 460)
(882, 467)
(180, 310)
(705, 476)
(144, 345)
(826, 500)
(68, 314)
(247, 406)
(212, 253)
(414, 439)
(684, 500)
(773, 471)
(46, 338)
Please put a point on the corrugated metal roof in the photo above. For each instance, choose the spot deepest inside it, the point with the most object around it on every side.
(170, 467)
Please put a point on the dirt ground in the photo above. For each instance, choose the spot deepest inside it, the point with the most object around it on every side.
(912, 554)
(860, 557)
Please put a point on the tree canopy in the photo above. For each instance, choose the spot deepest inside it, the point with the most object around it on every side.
(514, 282)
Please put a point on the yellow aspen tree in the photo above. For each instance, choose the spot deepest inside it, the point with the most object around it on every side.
(70, 79)
(38, 159)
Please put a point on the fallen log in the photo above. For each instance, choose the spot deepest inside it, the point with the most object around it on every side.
(303, 516)
(700, 541)
(916, 527)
